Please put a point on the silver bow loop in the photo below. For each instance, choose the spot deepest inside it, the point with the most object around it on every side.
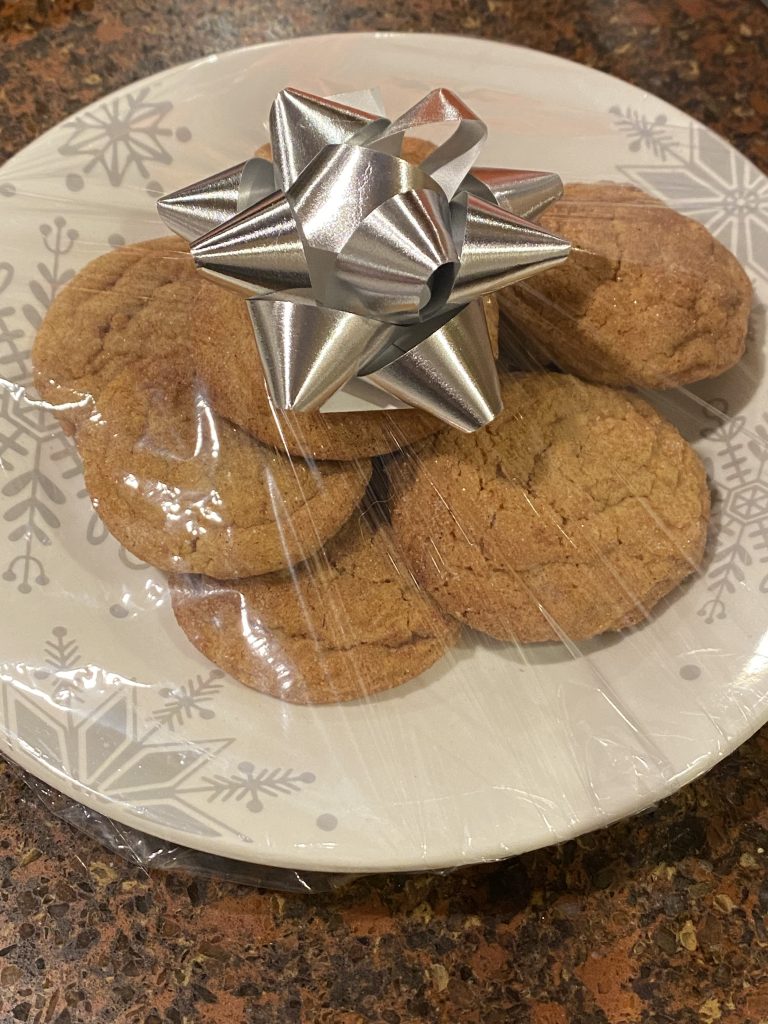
(406, 284)
(358, 263)
(448, 163)
(527, 194)
(258, 251)
(301, 125)
(377, 199)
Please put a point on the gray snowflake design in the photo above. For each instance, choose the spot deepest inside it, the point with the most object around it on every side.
(124, 134)
(253, 784)
(114, 739)
(34, 454)
(703, 177)
(58, 241)
(191, 698)
(13, 365)
(62, 658)
(645, 132)
(740, 508)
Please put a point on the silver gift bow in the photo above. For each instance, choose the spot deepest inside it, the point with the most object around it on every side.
(358, 263)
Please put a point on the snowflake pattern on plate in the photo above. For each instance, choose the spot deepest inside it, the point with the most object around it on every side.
(740, 508)
(123, 134)
(192, 698)
(87, 724)
(35, 456)
(646, 132)
(254, 784)
(62, 657)
(705, 179)
(13, 360)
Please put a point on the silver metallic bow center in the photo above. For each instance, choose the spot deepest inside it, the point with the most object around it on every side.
(387, 245)
(357, 262)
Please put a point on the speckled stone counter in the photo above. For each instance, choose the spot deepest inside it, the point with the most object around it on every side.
(663, 918)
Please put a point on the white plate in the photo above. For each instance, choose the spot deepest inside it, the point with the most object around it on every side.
(492, 752)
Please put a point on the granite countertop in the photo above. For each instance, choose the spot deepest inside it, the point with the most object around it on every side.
(662, 918)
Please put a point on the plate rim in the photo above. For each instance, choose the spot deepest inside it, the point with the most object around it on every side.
(228, 846)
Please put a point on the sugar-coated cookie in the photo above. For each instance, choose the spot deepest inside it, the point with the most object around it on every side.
(347, 624)
(571, 514)
(186, 491)
(647, 297)
(133, 303)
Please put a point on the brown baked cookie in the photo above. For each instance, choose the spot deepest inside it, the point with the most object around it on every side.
(571, 514)
(187, 491)
(136, 302)
(228, 362)
(347, 624)
(647, 297)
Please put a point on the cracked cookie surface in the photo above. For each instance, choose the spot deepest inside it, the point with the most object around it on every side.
(647, 297)
(570, 515)
(348, 623)
(138, 302)
(186, 491)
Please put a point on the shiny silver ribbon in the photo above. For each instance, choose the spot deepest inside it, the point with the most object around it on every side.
(357, 263)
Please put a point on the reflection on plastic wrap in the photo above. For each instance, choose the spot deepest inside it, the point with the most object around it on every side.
(348, 641)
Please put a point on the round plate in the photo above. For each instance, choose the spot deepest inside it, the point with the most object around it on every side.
(494, 751)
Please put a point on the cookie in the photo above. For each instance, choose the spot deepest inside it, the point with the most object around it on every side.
(646, 298)
(136, 302)
(348, 623)
(186, 491)
(571, 514)
(229, 364)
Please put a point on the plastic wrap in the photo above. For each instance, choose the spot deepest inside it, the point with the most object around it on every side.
(454, 646)
(154, 854)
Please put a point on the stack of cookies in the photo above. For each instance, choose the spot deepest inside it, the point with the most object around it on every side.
(326, 557)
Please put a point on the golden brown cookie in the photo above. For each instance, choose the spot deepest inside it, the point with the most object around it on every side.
(186, 491)
(647, 297)
(347, 624)
(136, 302)
(571, 514)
